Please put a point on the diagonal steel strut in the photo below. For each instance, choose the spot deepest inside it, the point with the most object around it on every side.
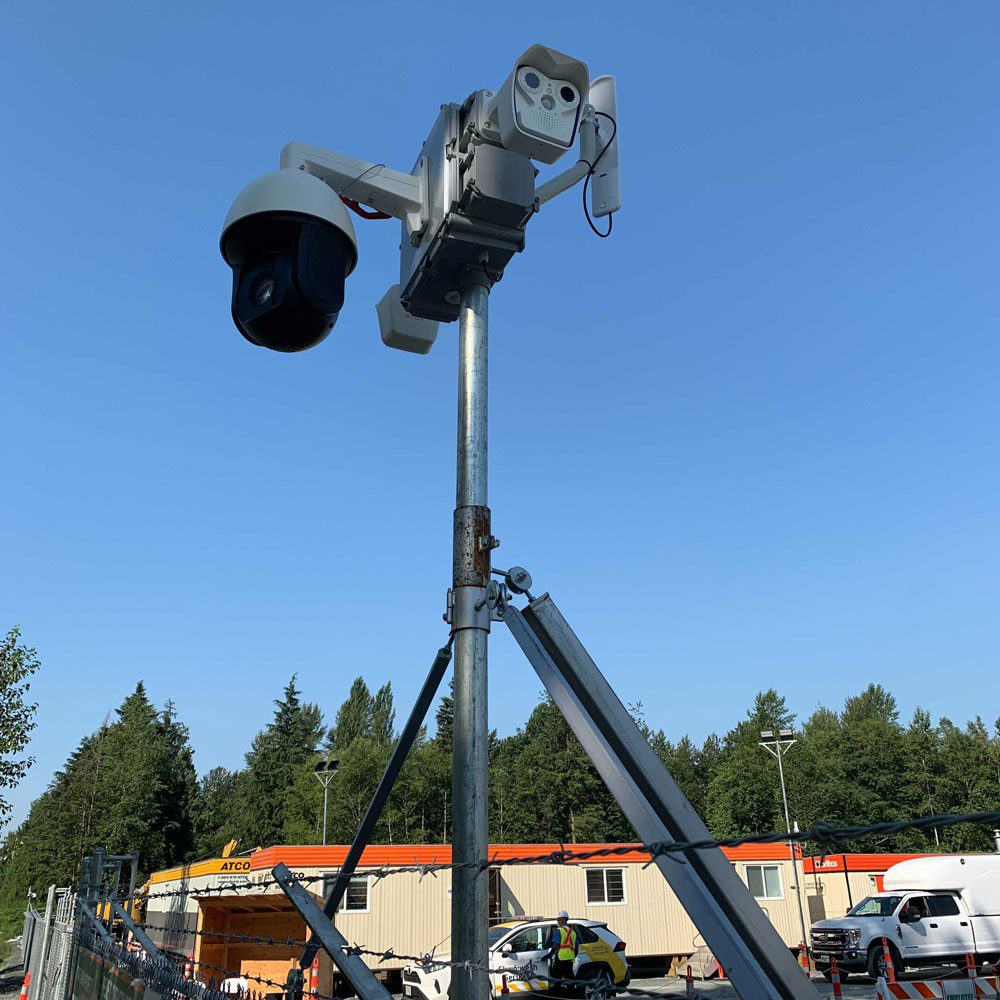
(377, 804)
(735, 928)
(332, 941)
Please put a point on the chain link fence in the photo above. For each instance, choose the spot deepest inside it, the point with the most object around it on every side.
(48, 945)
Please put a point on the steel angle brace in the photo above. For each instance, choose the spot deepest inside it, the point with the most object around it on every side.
(735, 928)
(84, 907)
(333, 942)
(399, 754)
(140, 935)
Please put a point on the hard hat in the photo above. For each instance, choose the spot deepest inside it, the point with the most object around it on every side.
(563, 915)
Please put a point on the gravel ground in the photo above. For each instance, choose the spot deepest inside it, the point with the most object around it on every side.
(12, 974)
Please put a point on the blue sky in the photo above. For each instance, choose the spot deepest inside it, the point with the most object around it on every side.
(749, 441)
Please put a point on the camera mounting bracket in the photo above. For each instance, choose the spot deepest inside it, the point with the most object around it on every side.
(397, 194)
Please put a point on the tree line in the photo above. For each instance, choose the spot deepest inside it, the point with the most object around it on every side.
(132, 785)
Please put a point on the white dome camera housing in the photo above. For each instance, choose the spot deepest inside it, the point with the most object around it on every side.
(291, 244)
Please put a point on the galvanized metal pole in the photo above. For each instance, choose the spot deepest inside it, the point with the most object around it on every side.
(473, 541)
(326, 794)
(791, 849)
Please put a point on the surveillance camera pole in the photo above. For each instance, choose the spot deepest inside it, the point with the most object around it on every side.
(470, 617)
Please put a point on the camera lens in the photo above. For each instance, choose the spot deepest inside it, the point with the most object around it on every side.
(263, 291)
(531, 80)
(288, 278)
(548, 103)
(567, 94)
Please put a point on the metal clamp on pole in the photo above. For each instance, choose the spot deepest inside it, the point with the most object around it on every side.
(334, 943)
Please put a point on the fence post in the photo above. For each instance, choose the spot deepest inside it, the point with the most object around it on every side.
(38, 963)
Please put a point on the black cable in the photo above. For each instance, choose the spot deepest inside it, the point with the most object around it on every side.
(593, 168)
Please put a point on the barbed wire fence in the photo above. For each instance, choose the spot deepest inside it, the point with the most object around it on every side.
(830, 839)
(156, 975)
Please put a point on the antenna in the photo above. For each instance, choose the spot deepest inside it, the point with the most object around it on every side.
(605, 184)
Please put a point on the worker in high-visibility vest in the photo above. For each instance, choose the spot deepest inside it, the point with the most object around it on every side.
(565, 946)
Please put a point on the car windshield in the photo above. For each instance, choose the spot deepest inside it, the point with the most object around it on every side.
(497, 934)
(875, 906)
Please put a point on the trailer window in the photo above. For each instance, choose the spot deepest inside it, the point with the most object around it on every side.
(943, 906)
(355, 898)
(764, 881)
(605, 885)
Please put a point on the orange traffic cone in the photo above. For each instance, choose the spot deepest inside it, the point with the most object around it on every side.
(504, 988)
(890, 972)
(25, 985)
(314, 991)
(804, 957)
(838, 993)
(188, 966)
(970, 964)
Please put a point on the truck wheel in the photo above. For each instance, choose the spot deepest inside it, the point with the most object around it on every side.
(876, 961)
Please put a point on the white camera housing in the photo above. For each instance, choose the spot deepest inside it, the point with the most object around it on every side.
(538, 108)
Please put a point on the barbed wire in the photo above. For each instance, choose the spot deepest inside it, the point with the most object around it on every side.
(826, 835)
(427, 962)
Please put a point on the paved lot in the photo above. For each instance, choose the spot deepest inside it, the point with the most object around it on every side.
(857, 987)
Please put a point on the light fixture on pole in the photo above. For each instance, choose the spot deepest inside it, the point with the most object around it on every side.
(324, 770)
(777, 745)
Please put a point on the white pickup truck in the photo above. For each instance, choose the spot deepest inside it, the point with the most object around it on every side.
(932, 911)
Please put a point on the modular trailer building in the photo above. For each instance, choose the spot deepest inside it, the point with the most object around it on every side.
(410, 913)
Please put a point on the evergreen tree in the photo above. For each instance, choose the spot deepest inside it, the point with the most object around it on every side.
(215, 810)
(383, 715)
(276, 756)
(444, 718)
(556, 793)
(920, 789)
(354, 717)
(127, 787)
(967, 782)
(744, 795)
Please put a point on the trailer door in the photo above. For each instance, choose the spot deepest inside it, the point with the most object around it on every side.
(949, 927)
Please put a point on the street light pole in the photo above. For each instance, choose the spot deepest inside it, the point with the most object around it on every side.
(777, 746)
(470, 622)
(325, 771)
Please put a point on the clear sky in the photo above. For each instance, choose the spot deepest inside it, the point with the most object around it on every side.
(749, 441)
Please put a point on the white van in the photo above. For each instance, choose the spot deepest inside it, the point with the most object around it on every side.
(932, 911)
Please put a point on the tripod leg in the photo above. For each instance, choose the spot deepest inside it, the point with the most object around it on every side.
(399, 754)
(732, 923)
